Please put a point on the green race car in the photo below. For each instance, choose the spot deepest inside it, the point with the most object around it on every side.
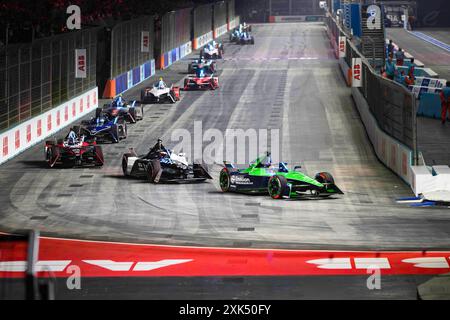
(261, 177)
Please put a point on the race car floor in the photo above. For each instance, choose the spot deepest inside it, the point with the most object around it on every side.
(289, 80)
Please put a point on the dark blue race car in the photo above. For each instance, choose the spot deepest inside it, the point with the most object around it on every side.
(105, 128)
(131, 111)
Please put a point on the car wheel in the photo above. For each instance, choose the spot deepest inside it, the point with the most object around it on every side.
(324, 177)
(98, 112)
(224, 180)
(132, 115)
(49, 157)
(115, 134)
(125, 164)
(100, 160)
(277, 186)
(150, 172)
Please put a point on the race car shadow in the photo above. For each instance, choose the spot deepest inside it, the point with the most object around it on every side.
(40, 164)
(35, 164)
(122, 177)
(305, 198)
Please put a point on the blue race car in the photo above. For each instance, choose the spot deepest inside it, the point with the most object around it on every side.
(105, 128)
(131, 111)
(246, 38)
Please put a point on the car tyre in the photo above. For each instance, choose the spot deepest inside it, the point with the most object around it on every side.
(277, 187)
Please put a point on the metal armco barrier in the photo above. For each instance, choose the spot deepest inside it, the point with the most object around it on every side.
(174, 37)
(28, 133)
(220, 26)
(38, 77)
(203, 25)
(132, 55)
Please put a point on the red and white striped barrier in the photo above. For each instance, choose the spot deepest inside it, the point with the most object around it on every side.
(35, 130)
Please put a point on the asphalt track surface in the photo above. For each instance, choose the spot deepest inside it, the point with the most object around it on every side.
(288, 80)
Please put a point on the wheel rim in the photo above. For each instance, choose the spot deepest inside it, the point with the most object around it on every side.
(275, 188)
(224, 181)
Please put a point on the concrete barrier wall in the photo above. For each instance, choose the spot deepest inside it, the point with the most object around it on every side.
(18, 139)
(389, 151)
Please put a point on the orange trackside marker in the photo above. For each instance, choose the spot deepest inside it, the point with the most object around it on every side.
(349, 77)
(110, 89)
(195, 44)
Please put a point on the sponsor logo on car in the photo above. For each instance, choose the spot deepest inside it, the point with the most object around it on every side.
(240, 180)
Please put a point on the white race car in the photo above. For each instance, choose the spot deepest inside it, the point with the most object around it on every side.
(212, 51)
(156, 94)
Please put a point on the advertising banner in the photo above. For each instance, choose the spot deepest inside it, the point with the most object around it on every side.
(356, 72)
(80, 63)
(342, 46)
(145, 41)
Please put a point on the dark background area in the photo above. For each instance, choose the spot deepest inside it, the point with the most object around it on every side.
(27, 20)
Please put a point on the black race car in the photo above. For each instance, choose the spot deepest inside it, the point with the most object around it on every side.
(162, 165)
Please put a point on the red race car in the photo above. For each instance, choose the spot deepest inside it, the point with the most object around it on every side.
(73, 151)
(206, 82)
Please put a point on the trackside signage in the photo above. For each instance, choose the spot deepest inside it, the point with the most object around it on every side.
(342, 46)
(356, 72)
(145, 41)
(80, 63)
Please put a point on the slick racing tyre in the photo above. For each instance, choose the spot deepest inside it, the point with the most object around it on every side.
(115, 134)
(125, 164)
(225, 180)
(132, 115)
(152, 170)
(99, 159)
(277, 187)
(52, 156)
(98, 112)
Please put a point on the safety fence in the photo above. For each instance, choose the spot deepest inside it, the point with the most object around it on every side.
(387, 108)
(132, 55)
(175, 37)
(46, 85)
(220, 26)
(37, 77)
(231, 15)
(202, 25)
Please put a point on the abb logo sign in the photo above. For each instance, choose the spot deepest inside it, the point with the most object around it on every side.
(342, 46)
(80, 63)
(357, 72)
(145, 41)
